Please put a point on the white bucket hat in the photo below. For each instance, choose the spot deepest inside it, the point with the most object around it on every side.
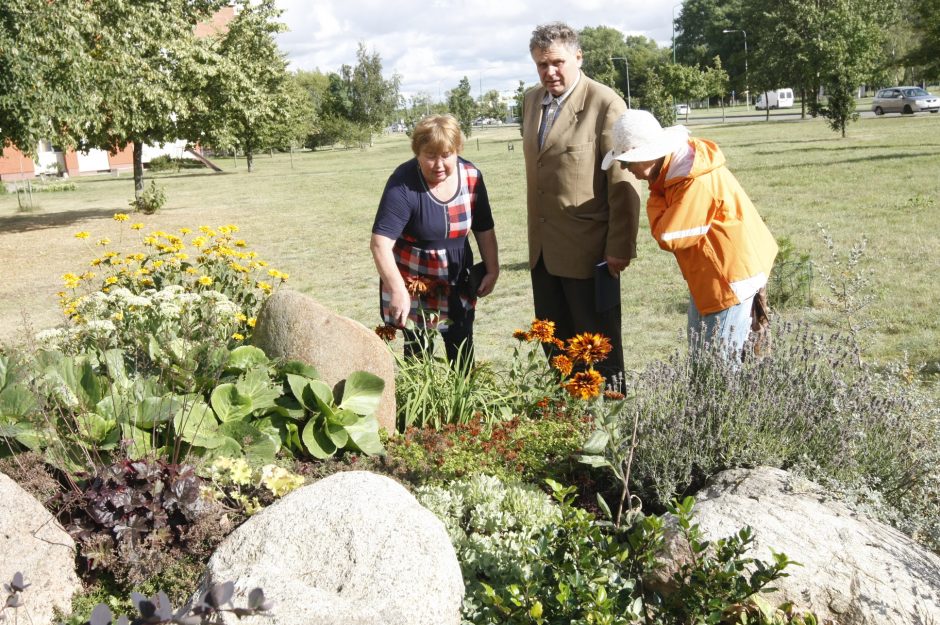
(638, 137)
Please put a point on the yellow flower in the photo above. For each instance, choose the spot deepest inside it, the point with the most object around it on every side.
(137, 226)
(588, 348)
(120, 217)
(238, 336)
(191, 270)
(251, 322)
(96, 262)
(156, 264)
(264, 286)
(563, 364)
(104, 241)
(181, 256)
(82, 235)
(118, 316)
(585, 384)
(241, 317)
(542, 330)
(185, 230)
(150, 240)
(200, 241)
(205, 280)
(110, 280)
(240, 243)
(88, 275)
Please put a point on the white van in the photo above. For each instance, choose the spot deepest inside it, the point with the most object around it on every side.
(776, 99)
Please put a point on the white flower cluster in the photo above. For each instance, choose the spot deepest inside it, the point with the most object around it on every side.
(114, 318)
(490, 523)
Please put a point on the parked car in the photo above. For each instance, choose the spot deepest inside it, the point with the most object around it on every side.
(775, 99)
(682, 109)
(904, 100)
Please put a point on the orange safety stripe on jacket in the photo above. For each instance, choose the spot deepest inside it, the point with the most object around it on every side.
(706, 219)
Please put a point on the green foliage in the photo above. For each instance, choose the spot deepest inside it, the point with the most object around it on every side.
(840, 106)
(528, 560)
(807, 404)
(715, 584)
(151, 200)
(658, 102)
(518, 449)
(791, 281)
(460, 104)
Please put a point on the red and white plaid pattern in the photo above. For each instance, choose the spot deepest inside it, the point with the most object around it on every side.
(431, 308)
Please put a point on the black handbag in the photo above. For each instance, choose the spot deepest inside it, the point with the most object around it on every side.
(470, 280)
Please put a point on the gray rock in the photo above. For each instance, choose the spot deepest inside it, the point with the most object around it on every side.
(855, 571)
(33, 543)
(294, 326)
(355, 548)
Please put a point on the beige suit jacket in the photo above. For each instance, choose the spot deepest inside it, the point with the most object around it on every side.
(577, 213)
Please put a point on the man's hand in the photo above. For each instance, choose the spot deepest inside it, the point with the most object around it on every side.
(616, 265)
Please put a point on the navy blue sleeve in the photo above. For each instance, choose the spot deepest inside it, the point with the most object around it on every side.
(395, 207)
(482, 213)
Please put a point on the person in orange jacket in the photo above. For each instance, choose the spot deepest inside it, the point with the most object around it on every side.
(699, 212)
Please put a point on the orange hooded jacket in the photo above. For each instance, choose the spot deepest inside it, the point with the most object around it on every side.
(699, 212)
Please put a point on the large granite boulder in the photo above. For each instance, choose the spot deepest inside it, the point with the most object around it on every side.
(293, 326)
(855, 571)
(354, 548)
(33, 543)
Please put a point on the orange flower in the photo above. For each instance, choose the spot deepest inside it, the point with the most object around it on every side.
(542, 330)
(563, 364)
(416, 285)
(520, 335)
(558, 343)
(386, 333)
(613, 395)
(588, 348)
(585, 384)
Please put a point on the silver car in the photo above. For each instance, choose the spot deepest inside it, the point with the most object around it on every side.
(904, 100)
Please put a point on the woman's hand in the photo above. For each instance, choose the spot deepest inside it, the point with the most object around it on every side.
(399, 307)
(487, 284)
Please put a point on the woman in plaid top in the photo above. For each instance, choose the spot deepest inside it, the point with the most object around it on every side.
(420, 245)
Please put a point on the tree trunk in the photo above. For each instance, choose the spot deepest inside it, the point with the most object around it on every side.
(250, 159)
(138, 169)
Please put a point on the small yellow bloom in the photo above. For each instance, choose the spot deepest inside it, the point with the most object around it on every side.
(181, 256)
(241, 317)
(110, 280)
(118, 316)
(82, 235)
(185, 230)
(120, 217)
(191, 270)
(137, 226)
(200, 241)
(96, 262)
(156, 264)
(205, 280)
(264, 286)
(104, 241)
(150, 240)
(241, 243)
(252, 321)
(238, 336)
(88, 275)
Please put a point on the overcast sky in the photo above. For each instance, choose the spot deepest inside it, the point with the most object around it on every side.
(432, 44)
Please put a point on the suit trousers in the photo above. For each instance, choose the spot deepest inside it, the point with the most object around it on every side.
(569, 302)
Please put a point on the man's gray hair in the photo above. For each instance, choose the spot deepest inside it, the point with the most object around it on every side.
(554, 33)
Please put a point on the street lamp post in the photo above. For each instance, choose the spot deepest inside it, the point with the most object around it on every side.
(674, 32)
(626, 64)
(747, 91)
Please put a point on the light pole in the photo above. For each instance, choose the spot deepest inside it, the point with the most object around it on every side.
(626, 64)
(674, 32)
(747, 91)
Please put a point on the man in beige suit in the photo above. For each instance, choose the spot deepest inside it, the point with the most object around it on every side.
(578, 214)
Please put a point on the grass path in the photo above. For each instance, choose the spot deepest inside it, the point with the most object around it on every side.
(311, 215)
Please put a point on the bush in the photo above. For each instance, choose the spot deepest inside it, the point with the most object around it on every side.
(791, 281)
(150, 201)
(806, 405)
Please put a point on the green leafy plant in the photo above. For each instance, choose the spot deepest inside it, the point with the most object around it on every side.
(151, 200)
(791, 281)
(848, 284)
(239, 486)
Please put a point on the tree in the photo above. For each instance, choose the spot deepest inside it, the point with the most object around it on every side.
(45, 79)
(926, 23)
(460, 104)
(148, 70)
(373, 98)
(685, 83)
(657, 101)
(314, 85)
(519, 97)
(716, 83)
(491, 105)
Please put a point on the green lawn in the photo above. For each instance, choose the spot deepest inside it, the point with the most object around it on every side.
(311, 215)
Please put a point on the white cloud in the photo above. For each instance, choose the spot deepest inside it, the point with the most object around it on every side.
(433, 44)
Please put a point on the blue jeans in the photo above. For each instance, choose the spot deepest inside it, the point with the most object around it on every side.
(729, 327)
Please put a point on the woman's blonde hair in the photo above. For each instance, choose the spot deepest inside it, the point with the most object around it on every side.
(438, 133)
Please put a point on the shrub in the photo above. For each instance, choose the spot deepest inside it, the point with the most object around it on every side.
(807, 405)
(151, 200)
(791, 281)
(529, 559)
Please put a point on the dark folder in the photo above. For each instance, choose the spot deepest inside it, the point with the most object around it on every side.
(606, 288)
